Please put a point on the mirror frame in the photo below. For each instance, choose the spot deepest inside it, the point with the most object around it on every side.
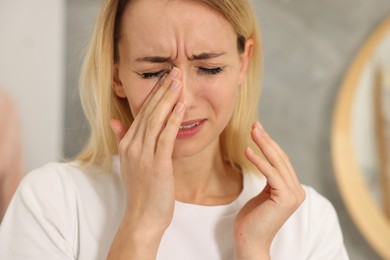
(366, 214)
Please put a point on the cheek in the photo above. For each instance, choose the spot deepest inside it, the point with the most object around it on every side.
(137, 92)
(222, 93)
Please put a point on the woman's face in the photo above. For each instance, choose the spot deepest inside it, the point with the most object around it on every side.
(159, 35)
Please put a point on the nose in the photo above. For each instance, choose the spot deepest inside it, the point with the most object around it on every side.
(189, 90)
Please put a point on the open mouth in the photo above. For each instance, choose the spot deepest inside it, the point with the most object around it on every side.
(185, 127)
(190, 128)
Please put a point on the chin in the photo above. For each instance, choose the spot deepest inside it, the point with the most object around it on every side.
(187, 150)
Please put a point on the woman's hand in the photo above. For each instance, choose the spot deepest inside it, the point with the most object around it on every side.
(145, 151)
(260, 219)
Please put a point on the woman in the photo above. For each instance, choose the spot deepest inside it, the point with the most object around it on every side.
(171, 86)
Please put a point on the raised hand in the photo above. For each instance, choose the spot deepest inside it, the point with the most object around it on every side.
(260, 219)
(145, 151)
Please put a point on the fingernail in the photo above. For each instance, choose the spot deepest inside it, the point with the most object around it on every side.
(179, 107)
(259, 126)
(258, 132)
(174, 72)
(250, 150)
(175, 83)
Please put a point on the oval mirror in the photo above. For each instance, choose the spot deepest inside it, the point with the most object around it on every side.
(361, 140)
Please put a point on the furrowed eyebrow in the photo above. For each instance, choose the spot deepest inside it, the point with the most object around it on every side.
(160, 59)
(154, 59)
(206, 56)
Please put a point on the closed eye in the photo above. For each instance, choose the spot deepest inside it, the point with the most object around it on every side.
(201, 70)
(151, 75)
(210, 71)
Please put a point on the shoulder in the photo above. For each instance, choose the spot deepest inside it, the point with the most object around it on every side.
(318, 210)
(52, 176)
(66, 180)
(52, 207)
(48, 187)
(320, 215)
(318, 220)
(66, 189)
(314, 212)
(42, 214)
(315, 203)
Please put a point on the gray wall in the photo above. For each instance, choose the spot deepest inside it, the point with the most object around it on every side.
(308, 45)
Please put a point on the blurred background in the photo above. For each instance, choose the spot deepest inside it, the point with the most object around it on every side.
(308, 46)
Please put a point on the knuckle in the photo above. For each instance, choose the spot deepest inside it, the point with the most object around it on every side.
(172, 124)
(165, 83)
(122, 146)
(174, 121)
(142, 110)
(285, 156)
(133, 150)
(277, 146)
(153, 122)
(163, 141)
(167, 98)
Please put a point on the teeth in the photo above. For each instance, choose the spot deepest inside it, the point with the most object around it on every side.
(188, 126)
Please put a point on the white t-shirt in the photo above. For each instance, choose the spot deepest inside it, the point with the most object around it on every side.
(63, 212)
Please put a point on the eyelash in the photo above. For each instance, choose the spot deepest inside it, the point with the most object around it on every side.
(151, 75)
(210, 71)
(202, 70)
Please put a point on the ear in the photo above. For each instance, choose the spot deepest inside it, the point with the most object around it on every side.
(245, 58)
(117, 85)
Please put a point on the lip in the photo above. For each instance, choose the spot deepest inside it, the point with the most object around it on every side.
(190, 132)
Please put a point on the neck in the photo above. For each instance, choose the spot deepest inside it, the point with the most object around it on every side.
(206, 179)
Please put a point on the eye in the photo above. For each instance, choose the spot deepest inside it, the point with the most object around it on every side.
(210, 71)
(151, 75)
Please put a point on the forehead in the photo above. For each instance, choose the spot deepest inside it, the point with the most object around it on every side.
(162, 24)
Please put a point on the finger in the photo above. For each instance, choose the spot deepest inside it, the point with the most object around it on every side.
(279, 156)
(150, 107)
(162, 88)
(274, 179)
(276, 184)
(261, 164)
(158, 119)
(282, 154)
(138, 118)
(264, 143)
(168, 136)
(274, 154)
(135, 135)
(272, 142)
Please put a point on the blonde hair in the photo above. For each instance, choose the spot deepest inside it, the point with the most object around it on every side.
(100, 103)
